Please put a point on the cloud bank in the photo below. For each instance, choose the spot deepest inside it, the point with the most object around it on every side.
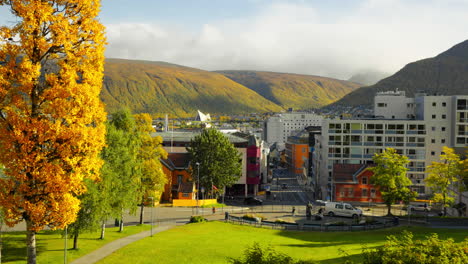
(381, 35)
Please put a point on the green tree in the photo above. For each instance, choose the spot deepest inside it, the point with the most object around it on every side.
(152, 177)
(404, 249)
(390, 177)
(220, 162)
(92, 211)
(120, 173)
(255, 254)
(441, 175)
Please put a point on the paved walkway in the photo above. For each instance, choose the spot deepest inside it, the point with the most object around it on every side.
(109, 248)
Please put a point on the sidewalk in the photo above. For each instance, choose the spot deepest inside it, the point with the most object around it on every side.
(107, 249)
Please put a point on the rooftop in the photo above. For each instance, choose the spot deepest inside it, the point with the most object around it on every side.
(187, 136)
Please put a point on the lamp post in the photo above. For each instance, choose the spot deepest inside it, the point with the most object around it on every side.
(198, 181)
(152, 205)
(65, 246)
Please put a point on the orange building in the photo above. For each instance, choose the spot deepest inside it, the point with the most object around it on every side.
(180, 183)
(297, 156)
(352, 184)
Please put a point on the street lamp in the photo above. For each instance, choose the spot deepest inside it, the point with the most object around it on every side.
(198, 181)
(152, 205)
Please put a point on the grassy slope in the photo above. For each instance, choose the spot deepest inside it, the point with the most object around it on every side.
(166, 88)
(50, 244)
(214, 242)
(445, 74)
(293, 90)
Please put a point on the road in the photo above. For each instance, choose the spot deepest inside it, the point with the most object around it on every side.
(287, 189)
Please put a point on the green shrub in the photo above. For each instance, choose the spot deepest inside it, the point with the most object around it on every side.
(404, 249)
(197, 219)
(258, 255)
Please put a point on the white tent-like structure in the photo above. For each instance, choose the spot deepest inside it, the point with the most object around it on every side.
(202, 117)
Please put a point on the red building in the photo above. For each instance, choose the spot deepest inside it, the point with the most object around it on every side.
(352, 184)
(180, 184)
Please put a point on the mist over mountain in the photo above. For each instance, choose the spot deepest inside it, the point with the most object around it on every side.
(367, 78)
(446, 74)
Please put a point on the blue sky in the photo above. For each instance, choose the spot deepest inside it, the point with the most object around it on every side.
(335, 38)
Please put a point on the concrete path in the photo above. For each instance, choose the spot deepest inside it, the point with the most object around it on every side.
(107, 249)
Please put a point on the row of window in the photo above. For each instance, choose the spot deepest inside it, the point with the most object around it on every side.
(349, 192)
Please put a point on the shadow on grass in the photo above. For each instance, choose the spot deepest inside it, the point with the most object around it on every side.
(16, 248)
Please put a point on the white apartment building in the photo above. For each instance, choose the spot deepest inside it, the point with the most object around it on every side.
(279, 127)
(416, 127)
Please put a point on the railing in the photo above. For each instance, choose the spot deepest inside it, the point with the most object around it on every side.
(311, 227)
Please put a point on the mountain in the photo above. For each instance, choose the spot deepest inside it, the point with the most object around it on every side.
(293, 90)
(159, 87)
(367, 78)
(446, 74)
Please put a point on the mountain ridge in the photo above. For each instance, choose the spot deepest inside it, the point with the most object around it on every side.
(446, 73)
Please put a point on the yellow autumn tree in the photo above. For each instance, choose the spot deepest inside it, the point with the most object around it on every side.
(51, 117)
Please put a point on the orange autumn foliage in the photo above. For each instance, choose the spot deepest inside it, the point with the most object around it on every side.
(51, 117)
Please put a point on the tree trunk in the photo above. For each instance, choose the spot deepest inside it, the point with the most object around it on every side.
(445, 206)
(1, 238)
(31, 243)
(75, 240)
(103, 229)
(389, 209)
(142, 208)
(121, 225)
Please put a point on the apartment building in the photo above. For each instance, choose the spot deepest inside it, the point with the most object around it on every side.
(279, 127)
(416, 127)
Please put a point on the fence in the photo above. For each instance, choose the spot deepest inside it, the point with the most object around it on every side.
(310, 227)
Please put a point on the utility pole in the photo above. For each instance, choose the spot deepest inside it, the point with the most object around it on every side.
(198, 181)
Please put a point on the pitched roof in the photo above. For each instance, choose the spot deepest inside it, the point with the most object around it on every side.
(180, 161)
(347, 173)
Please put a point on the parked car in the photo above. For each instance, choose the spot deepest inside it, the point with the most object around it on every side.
(418, 207)
(341, 209)
(253, 201)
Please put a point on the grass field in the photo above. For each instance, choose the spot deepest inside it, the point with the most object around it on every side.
(215, 242)
(50, 244)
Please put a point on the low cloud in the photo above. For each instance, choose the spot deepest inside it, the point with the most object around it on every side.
(379, 35)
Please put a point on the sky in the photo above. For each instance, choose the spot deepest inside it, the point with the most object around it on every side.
(334, 38)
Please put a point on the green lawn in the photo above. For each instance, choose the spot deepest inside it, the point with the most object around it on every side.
(50, 244)
(214, 242)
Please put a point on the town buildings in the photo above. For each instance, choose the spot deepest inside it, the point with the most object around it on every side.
(416, 127)
(253, 155)
(278, 127)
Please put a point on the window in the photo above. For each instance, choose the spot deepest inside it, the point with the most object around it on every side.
(381, 105)
(442, 141)
(433, 128)
(342, 192)
(433, 141)
(444, 104)
(432, 153)
(443, 128)
(338, 206)
(364, 192)
(444, 116)
(433, 116)
(185, 195)
(434, 104)
(350, 192)
(372, 193)
(179, 179)
(348, 207)
(364, 180)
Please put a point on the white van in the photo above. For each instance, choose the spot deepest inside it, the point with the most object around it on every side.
(341, 209)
